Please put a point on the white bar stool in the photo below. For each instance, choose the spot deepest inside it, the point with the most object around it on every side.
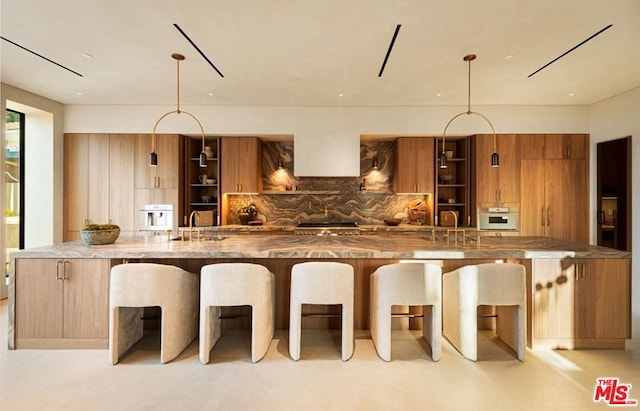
(137, 285)
(413, 284)
(321, 283)
(233, 284)
(500, 285)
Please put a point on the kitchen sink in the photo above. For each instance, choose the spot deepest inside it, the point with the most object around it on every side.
(322, 224)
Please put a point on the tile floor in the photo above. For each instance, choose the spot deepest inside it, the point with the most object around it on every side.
(84, 380)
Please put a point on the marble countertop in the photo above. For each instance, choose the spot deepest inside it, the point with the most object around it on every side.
(256, 245)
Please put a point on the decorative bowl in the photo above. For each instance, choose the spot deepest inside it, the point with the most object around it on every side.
(100, 236)
(446, 178)
(392, 221)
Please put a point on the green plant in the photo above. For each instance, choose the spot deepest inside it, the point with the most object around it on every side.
(246, 207)
(100, 227)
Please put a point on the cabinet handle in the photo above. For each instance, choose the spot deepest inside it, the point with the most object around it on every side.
(548, 217)
(495, 196)
(576, 268)
(65, 275)
(58, 265)
(583, 271)
(241, 187)
(543, 216)
(500, 195)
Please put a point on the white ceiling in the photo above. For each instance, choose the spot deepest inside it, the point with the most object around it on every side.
(308, 52)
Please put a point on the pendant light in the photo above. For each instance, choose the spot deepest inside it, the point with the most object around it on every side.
(153, 156)
(495, 161)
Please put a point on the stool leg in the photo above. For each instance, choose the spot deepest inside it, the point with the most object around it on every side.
(261, 331)
(381, 330)
(125, 329)
(114, 323)
(432, 329)
(294, 330)
(209, 331)
(347, 330)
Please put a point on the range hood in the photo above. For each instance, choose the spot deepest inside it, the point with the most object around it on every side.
(331, 154)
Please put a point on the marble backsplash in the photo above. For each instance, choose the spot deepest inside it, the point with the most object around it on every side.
(287, 199)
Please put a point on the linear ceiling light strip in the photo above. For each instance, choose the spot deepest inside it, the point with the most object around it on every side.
(198, 49)
(570, 50)
(393, 40)
(41, 56)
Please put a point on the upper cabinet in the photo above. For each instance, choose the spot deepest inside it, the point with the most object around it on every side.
(414, 159)
(165, 174)
(453, 192)
(497, 186)
(240, 165)
(554, 146)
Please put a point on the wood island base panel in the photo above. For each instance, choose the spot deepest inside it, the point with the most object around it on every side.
(578, 295)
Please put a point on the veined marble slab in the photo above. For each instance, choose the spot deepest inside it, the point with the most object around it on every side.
(293, 246)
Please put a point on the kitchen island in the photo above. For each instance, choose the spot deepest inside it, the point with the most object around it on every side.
(578, 295)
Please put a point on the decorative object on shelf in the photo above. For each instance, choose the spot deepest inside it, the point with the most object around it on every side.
(392, 221)
(203, 178)
(153, 156)
(418, 212)
(206, 198)
(495, 162)
(204, 218)
(449, 154)
(445, 178)
(246, 211)
(210, 181)
(100, 234)
(209, 152)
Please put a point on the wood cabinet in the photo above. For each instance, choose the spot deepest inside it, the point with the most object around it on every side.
(413, 162)
(98, 182)
(554, 196)
(581, 303)
(497, 186)
(453, 191)
(240, 165)
(200, 195)
(62, 303)
(555, 146)
(164, 183)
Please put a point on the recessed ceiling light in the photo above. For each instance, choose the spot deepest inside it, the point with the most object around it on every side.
(79, 93)
(571, 94)
(211, 94)
(340, 95)
(509, 56)
(439, 94)
(87, 56)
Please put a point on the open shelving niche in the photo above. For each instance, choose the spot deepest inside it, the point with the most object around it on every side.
(458, 188)
(195, 189)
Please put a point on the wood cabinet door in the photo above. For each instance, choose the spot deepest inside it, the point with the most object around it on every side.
(145, 175)
(76, 182)
(487, 177)
(554, 146)
(229, 165)
(509, 169)
(553, 299)
(533, 212)
(168, 148)
(98, 200)
(86, 298)
(404, 177)
(122, 210)
(576, 146)
(39, 299)
(566, 200)
(424, 161)
(603, 299)
(532, 146)
(249, 165)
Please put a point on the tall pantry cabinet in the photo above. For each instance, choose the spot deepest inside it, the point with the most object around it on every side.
(107, 177)
(554, 189)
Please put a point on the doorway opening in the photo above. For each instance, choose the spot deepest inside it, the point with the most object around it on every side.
(14, 175)
(614, 193)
